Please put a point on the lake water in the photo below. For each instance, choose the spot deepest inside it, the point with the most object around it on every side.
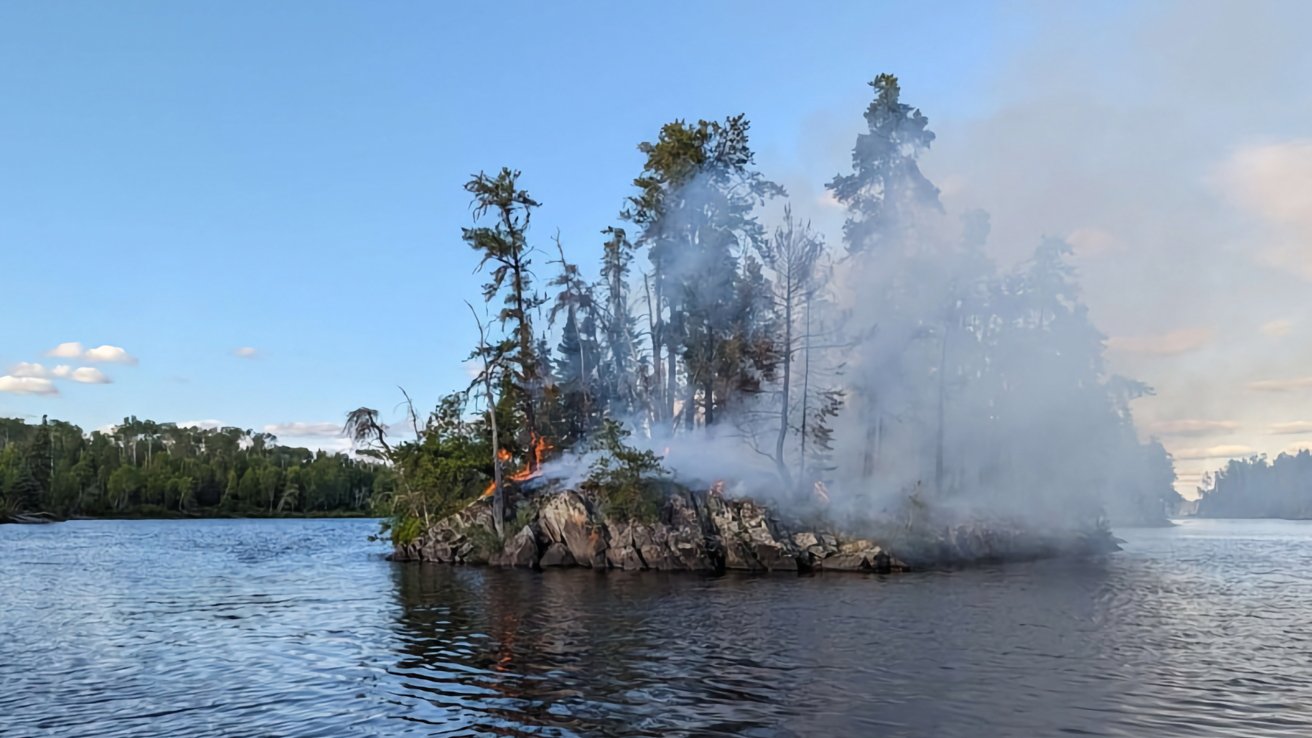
(300, 628)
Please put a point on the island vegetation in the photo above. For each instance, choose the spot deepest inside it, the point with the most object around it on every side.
(142, 468)
(1258, 487)
(725, 345)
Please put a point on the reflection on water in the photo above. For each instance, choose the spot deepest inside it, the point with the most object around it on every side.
(301, 628)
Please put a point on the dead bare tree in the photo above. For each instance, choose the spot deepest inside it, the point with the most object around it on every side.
(491, 357)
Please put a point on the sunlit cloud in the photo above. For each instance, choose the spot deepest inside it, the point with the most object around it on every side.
(104, 354)
(84, 375)
(1214, 452)
(1165, 344)
(1273, 182)
(109, 355)
(1298, 446)
(68, 350)
(1277, 328)
(1294, 427)
(1192, 427)
(28, 369)
(1281, 385)
(27, 385)
(88, 375)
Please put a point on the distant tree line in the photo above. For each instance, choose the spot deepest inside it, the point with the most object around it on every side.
(1257, 487)
(142, 467)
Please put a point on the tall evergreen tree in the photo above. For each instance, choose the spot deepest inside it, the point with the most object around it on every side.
(504, 246)
(696, 204)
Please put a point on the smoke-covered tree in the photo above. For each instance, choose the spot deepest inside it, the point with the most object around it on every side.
(888, 199)
(578, 356)
(696, 203)
(619, 371)
(793, 256)
(886, 193)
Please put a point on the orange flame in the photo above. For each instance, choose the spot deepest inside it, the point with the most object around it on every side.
(541, 447)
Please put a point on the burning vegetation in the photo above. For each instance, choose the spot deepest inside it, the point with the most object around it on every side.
(901, 369)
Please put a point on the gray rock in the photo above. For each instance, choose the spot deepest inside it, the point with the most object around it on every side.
(567, 519)
(521, 550)
(556, 555)
(844, 562)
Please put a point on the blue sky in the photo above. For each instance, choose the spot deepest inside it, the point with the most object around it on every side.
(182, 180)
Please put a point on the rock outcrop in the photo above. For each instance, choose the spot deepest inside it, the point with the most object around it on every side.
(707, 532)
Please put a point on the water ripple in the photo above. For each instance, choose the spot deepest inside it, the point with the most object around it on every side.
(300, 628)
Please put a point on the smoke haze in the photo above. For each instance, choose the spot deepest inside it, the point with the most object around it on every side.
(1172, 152)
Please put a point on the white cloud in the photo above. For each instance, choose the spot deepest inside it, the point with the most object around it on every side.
(1273, 182)
(1297, 446)
(27, 385)
(109, 354)
(245, 352)
(1173, 343)
(68, 350)
(103, 354)
(1192, 427)
(1214, 452)
(1277, 328)
(302, 430)
(88, 375)
(27, 369)
(1281, 385)
(1291, 428)
(85, 375)
(202, 424)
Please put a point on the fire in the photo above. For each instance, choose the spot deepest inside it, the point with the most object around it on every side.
(541, 447)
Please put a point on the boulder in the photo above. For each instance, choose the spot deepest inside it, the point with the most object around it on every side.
(751, 539)
(556, 555)
(567, 519)
(520, 550)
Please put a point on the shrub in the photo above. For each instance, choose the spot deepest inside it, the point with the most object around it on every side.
(626, 480)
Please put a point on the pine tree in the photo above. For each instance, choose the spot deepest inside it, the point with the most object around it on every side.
(504, 245)
(697, 195)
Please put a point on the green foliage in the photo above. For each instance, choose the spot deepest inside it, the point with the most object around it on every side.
(485, 541)
(625, 479)
(405, 530)
(447, 466)
(145, 468)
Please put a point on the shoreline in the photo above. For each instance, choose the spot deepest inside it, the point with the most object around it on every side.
(703, 531)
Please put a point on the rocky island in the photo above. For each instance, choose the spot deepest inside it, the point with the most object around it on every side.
(708, 531)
